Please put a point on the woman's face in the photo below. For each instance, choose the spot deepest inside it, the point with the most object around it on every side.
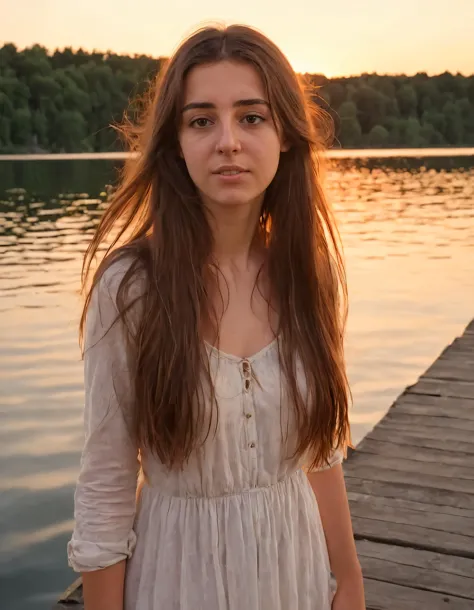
(226, 121)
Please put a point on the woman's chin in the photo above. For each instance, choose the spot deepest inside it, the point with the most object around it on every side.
(232, 199)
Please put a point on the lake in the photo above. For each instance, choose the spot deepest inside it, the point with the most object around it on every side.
(407, 226)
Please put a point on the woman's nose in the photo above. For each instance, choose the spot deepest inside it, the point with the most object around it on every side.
(228, 138)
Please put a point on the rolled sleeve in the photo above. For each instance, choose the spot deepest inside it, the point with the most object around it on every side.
(104, 500)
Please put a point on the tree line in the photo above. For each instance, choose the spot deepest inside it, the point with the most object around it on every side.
(65, 101)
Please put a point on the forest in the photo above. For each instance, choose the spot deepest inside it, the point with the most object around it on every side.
(65, 101)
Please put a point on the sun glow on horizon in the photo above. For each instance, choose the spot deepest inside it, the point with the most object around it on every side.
(306, 66)
(337, 39)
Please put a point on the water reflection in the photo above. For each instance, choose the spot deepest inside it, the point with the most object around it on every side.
(408, 232)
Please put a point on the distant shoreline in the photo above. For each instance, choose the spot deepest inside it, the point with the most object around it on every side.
(346, 153)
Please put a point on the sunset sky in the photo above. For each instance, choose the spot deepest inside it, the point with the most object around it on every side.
(337, 38)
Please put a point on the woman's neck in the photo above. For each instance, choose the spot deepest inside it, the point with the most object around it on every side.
(237, 239)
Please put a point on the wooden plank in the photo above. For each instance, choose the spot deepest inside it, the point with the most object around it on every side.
(457, 355)
(429, 420)
(445, 408)
(467, 334)
(415, 536)
(465, 341)
(380, 502)
(416, 439)
(368, 507)
(418, 578)
(422, 481)
(437, 562)
(460, 389)
(450, 370)
(460, 351)
(387, 596)
(427, 495)
(451, 437)
(407, 465)
(466, 338)
(409, 452)
(443, 402)
(72, 597)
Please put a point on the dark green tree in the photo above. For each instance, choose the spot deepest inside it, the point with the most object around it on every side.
(407, 101)
(378, 137)
(370, 107)
(21, 126)
(67, 100)
(350, 129)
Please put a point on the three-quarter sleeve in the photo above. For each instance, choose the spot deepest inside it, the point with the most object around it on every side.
(336, 457)
(104, 500)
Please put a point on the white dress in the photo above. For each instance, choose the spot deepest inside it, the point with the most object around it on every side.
(237, 529)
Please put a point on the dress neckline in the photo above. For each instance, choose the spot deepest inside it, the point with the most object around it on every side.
(221, 354)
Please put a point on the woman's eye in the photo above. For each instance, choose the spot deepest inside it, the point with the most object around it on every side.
(254, 119)
(199, 122)
(251, 119)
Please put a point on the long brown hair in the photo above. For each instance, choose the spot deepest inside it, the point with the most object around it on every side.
(157, 217)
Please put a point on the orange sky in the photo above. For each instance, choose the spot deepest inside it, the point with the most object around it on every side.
(341, 37)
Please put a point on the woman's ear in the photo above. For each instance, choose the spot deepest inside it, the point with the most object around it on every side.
(285, 146)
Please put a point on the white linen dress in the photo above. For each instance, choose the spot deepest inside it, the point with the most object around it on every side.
(237, 529)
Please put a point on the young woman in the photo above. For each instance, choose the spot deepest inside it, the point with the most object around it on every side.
(213, 354)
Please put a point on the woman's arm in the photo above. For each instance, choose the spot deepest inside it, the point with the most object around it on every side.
(330, 491)
(104, 588)
(104, 502)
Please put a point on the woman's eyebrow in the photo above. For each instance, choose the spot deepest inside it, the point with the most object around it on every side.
(249, 102)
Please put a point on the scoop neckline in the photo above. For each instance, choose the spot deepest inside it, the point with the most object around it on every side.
(221, 354)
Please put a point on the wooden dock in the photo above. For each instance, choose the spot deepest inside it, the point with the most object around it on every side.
(410, 484)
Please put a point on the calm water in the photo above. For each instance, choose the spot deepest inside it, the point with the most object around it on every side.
(408, 231)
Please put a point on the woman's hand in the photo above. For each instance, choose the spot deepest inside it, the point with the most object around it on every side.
(349, 595)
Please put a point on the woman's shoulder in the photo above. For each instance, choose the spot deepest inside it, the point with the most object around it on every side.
(123, 268)
(117, 291)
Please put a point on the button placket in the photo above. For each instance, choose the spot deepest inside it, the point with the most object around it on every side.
(247, 375)
(246, 369)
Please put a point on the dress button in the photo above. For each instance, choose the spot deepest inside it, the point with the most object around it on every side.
(252, 445)
(248, 415)
(246, 366)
